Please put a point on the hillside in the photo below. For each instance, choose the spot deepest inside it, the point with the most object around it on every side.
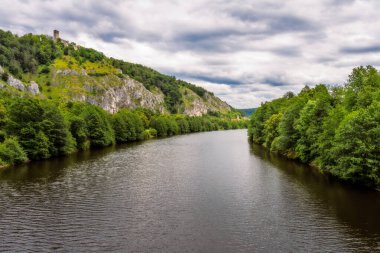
(56, 69)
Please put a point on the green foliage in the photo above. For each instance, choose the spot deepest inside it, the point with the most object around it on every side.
(86, 54)
(271, 129)
(41, 128)
(183, 125)
(151, 132)
(161, 125)
(356, 147)
(98, 126)
(11, 152)
(25, 121)
(336, 129)
(56, 130)
(24, 54)
(128, 126)
(79, 132)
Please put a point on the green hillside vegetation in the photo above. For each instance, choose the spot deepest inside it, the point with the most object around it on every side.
(336, 129)
(34, 127)
(38, 57)
(169, 85)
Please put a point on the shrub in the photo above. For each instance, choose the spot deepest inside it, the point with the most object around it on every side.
(11, 152)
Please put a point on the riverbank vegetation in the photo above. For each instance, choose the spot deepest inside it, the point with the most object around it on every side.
(34, 129)
(42, 79)
(336, 129)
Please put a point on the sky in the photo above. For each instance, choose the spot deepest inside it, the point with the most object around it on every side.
(246, 52)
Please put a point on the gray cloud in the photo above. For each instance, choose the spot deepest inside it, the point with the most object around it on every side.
(275, 23)
(361, 50)
(287, 51)
(209, 78)
(274, 82)
(244, 51)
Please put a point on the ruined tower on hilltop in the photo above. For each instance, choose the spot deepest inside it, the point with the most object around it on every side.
(56, 35)
(66, 43)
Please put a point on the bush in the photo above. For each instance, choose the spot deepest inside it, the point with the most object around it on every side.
(98, 127)
(11, 152)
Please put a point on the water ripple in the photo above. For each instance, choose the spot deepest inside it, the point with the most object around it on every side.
(207, 192)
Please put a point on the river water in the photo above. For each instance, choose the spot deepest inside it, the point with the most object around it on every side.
(206, 192)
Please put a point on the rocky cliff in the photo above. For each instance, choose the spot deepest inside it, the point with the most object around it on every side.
(113, 92)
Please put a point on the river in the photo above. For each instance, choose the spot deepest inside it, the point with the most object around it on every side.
(205, 192)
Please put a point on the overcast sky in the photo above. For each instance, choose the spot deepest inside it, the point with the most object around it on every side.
(246, 52)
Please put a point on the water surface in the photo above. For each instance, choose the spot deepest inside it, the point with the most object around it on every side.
(206, 192)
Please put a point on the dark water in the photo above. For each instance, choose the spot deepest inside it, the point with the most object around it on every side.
(207, 192)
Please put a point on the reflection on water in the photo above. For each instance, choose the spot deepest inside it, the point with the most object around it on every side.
(355, 206)
(206, 192)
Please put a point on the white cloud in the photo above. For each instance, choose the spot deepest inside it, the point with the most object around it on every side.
(244, 51)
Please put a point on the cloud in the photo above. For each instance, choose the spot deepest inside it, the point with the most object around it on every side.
(246, 52)
(361, 50)
(274, 23)
(209, 78)
(274, 82)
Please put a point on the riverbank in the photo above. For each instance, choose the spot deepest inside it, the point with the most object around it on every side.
(315, 167)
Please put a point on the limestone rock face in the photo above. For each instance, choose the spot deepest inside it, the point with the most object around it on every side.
(33, 88)
(111, 92)
(198, 106)
(130, 95)
(14, 82)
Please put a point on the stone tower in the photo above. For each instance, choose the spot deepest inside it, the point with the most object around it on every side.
(56, 35)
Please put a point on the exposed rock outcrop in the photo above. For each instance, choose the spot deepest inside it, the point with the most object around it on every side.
(14, 82)
(198, 106)
(33, 88)
(110, 92)
(130, 95)
(67, 72)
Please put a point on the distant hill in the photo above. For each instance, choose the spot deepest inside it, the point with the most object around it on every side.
(247, 112)
(53, 68)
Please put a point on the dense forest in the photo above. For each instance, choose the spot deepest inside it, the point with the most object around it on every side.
(336, 129)
(34, 127)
